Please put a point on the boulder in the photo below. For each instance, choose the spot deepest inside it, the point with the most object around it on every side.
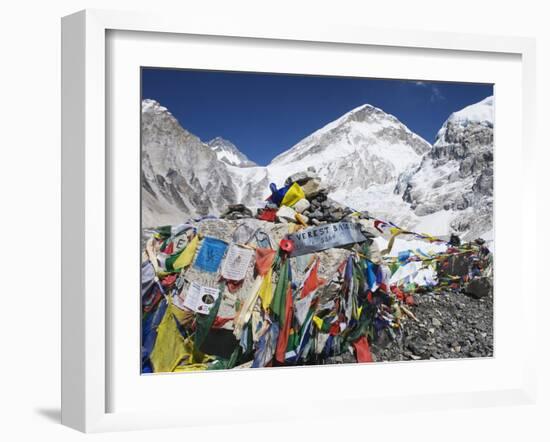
(312, 188)
(479, 288)
(236, 211)
(300, 178)
(458, 265)
(337, 214)
(301, 205)
(286, 214)
(317, 214)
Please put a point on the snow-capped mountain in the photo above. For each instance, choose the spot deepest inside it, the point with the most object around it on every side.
(359, 157)
(181, 176)
(364, 147)
(456, 176)
(228, 153)
(367, 159)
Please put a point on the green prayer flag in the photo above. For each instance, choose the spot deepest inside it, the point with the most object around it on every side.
(204, 322)
(279, 296)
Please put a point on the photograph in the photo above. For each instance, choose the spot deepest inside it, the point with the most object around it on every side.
(275, 220)
(292, 220)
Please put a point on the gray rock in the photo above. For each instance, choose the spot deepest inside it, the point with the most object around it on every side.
(236, 211)
(425, 209)
(458, 265)
(300, 177)
(479, 288)
(313, 188)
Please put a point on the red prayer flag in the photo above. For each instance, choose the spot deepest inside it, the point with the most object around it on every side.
(362, 350)
(378, 223)
(313, 281)
(285, 330)
(169, 249)
(168, 280)
(268, 215)
(220, 322)
(264, 260)
(398, 293)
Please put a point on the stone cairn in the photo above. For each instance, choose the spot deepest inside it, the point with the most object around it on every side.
(315, 208)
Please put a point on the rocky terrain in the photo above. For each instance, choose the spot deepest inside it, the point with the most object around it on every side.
(450, 325)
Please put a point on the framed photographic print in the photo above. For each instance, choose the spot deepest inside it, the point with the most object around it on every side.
(291, 212)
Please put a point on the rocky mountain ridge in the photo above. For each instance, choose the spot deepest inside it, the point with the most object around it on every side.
(457, 173)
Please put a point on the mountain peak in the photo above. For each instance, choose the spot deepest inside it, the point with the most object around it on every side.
(366, 113)
(150, 105)
(219, 140)
(227, 152)
(357, 130)
(481, 113)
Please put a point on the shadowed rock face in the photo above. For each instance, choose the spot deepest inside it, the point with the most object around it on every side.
(182, 177)
(457, 174)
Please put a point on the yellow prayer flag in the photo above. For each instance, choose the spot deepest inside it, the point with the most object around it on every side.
(172, 352)
(266, 291)
(169, 347)
(186, 257)
(293, 195)
(318, 322)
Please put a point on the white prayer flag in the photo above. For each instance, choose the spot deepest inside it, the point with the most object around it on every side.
(236, 262)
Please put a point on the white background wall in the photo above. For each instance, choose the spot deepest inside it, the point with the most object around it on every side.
(30, 219)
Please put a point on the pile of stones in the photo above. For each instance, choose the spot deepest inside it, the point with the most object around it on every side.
(236, 211)
(324, 210)
(321, 208)
(315, 208)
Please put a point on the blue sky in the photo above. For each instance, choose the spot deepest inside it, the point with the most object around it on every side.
(266, 114)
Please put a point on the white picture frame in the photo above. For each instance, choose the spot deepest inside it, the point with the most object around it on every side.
(86, 216)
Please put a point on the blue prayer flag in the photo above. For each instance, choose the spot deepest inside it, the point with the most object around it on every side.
(210, 254)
